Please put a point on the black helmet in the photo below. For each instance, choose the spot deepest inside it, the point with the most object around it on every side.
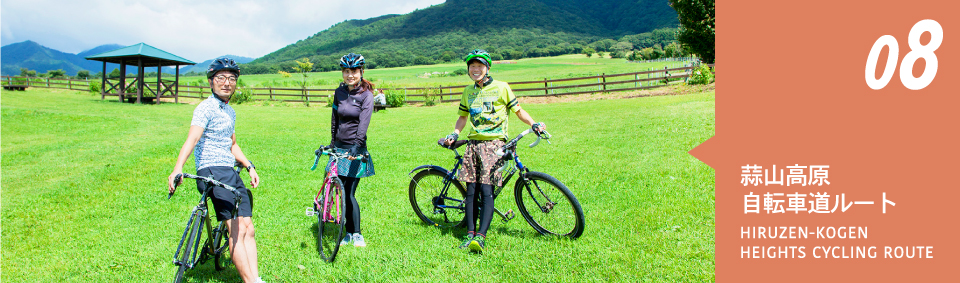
(221, 64)
(479, 55)
(351, 61)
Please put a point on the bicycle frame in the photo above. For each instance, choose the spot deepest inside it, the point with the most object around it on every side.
(322, 200)
(204, 218)
(507, 153)
(324, 194)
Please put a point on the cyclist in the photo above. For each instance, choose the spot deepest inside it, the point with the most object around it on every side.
(350, 118)
(214, 145)
(484, 105)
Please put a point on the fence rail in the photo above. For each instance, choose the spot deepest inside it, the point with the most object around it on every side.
(649, 79)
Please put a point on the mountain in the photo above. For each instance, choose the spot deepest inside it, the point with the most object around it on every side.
(202, 66)
(32, 55)
(100, 49)
(508, 29)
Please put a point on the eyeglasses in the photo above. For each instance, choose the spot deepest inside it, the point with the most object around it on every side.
(223, 79)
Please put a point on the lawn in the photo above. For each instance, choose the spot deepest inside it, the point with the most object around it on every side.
(84, 197)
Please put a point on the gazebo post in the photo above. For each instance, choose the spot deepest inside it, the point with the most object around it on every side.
(103, 81)
(139, 79)
(176, 85)
(123, 79)
(159, 91)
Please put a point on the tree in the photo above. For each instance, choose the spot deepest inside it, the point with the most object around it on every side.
(697, 27)
(114, 74)
(589, 52)
(303, 67)
(24, 72)
(58, 73)
(83, 74)
(623, 46)
(603, 45)
(647, 53)
(674, 50)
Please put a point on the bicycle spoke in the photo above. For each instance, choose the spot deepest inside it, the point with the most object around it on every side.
(548, 205)
(434, 200)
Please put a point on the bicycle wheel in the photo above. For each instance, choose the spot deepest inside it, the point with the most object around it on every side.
(331, 231)
(548, 205)
(443, 211)
(188, 243)
(221, 247)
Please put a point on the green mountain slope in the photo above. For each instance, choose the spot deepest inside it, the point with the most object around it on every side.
(507, 29)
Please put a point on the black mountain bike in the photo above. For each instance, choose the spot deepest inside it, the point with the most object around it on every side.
(438, 197)
(188, 255)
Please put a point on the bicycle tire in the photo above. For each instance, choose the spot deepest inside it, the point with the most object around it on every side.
(548, 205)
(425, 189)
(186, 260)
(329, 233)
(221, 246)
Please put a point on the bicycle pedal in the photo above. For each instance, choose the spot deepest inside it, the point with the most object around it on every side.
(311, 212)
(509, 215)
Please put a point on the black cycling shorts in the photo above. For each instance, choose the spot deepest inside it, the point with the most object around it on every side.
(223, 199)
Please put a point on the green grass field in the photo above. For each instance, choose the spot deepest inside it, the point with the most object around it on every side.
(84, 197)
(531, 69)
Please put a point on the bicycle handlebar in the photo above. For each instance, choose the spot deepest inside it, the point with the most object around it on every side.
(512, 143)
(179, 178)
(332, 152)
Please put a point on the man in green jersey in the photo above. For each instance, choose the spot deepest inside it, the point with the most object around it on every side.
(484, 106)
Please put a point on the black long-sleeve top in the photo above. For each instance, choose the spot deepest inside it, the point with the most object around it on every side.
(351, 115)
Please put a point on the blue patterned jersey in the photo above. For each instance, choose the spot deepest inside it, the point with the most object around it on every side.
(217, 120)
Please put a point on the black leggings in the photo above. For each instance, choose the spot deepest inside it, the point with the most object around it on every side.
(352, 213)
(472, 211)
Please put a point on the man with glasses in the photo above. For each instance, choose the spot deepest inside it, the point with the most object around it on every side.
(214, 145)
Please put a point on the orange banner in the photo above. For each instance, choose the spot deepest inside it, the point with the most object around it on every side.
(830, 168)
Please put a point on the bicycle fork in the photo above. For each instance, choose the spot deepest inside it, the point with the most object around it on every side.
(183, 239)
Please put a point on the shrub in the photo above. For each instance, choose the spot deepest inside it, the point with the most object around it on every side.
(430, 95)
(395, 98)
(243, 94)
(701, 75)
(94, 86)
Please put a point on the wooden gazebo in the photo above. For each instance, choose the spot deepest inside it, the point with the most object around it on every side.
(142, 56)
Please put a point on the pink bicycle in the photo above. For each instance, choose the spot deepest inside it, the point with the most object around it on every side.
(329, 205)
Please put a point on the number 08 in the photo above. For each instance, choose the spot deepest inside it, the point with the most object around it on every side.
(917, 51)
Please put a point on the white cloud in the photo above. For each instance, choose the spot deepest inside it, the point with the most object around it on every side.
(195, 30)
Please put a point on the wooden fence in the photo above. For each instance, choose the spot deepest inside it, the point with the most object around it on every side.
(47, 82)
(546, 87)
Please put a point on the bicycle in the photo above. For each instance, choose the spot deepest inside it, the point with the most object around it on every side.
(215, 246)
(546, 203)
(329, 206)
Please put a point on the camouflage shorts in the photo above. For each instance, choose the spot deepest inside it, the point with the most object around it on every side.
(480, 162)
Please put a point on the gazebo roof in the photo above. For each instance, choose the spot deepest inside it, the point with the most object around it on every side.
(152, 57)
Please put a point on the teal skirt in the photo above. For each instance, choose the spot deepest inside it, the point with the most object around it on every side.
(355, 168)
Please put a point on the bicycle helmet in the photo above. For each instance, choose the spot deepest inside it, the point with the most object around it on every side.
(351, 61)
(479, 55)
(223, 63)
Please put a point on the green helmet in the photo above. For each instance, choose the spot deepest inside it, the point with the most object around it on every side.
(479, 55)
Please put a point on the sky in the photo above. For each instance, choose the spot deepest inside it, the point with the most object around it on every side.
(196, 30)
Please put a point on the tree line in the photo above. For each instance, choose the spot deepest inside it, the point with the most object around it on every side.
(447, 47)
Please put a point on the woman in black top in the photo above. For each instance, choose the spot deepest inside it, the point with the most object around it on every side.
(352, 109)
